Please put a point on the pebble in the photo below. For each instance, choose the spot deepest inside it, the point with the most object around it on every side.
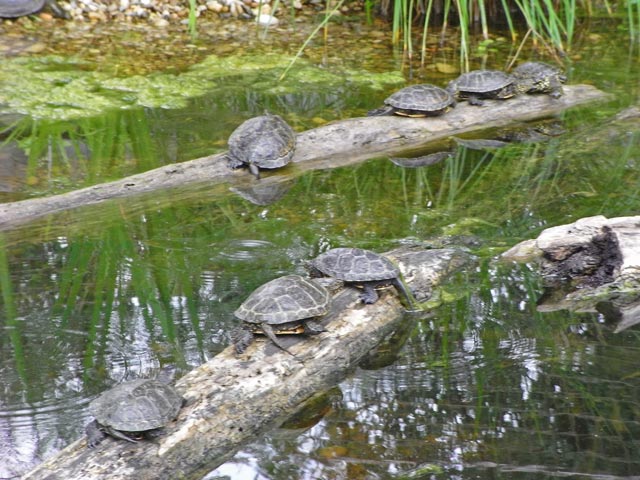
(266, 20)
(175, 11)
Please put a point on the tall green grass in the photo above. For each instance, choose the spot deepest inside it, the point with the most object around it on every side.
(551, 23)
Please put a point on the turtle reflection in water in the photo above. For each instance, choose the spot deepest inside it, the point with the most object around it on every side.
(362, 268)
(132, 410)
(266, 141)
(285, 305)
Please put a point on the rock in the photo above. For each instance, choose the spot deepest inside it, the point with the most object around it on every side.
(266, 20)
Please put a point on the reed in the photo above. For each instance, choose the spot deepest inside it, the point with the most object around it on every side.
(551, 22)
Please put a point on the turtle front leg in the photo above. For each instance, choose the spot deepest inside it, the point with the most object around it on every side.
(369, 294)
(233, 162)
(255, 171)
(475, 100)
(268, 331)
(95, 435)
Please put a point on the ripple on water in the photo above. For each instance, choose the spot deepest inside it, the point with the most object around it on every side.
(246, 250)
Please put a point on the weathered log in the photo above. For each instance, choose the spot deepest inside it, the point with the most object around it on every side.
(591, 265)
(334, 145)
(231, 399)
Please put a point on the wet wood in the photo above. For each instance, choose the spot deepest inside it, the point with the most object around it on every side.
(334, 145)
(590, 265)
(232, 399)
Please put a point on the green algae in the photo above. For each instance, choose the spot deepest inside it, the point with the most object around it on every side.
(58, 88)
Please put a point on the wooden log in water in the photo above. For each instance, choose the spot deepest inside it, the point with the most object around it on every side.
(231, 399)
(333, 145)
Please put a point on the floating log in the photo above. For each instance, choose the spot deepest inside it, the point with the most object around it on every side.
(231, 398)
(333, 145)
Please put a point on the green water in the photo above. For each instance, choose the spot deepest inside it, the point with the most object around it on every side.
(484, 387)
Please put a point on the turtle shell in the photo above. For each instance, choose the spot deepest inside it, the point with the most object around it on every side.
(355, 265)
(481, 82)
(19, 8)
(266, 141)
(539, 77)
(283, 300)
(420, 100)
(137, 406)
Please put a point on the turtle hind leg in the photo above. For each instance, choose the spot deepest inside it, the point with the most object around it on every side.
(402, 290)
(268, 331)
(369, 294)
(241, 338)
(311, 327)
(95, 435)
(118, 434)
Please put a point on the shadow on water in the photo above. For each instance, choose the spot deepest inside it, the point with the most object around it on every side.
(486, 386)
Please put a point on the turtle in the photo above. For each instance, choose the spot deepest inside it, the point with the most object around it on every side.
(285, 305)
(20, 8)
(480, 84)
(359, 267)
(133, 409)
(416, 101)
(539, 77)
(266, 141)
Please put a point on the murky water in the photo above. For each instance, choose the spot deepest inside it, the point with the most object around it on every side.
(486, 386)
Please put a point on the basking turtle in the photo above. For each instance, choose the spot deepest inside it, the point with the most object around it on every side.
(539, 77)
(477, 85)
(416, 101)
(285, 305)
(266, 141)
(20, 8)
(137, 408)
(362, 268)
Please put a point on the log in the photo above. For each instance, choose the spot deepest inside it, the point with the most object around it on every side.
(231, 398)
(334, 145)
(590, 265)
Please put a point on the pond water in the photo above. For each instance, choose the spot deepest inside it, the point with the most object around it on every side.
(485, 386)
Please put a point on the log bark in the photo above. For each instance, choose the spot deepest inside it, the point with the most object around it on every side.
(591, 265)
(231, 399)
(334, 145)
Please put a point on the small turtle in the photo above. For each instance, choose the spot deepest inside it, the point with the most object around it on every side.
(539, 77)
(480, 84)
(285, 305)
(416, 101)
(266, 141)
(362, 268)
(137, 408)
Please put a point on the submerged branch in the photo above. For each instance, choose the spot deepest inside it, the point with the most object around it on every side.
(232, 399)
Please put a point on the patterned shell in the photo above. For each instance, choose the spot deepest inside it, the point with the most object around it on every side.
(481, 81)
(266, 141)
(355, 265)
(539, 77)
(137, 405)
(18, 8)
(420, 98)
(285, 299)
